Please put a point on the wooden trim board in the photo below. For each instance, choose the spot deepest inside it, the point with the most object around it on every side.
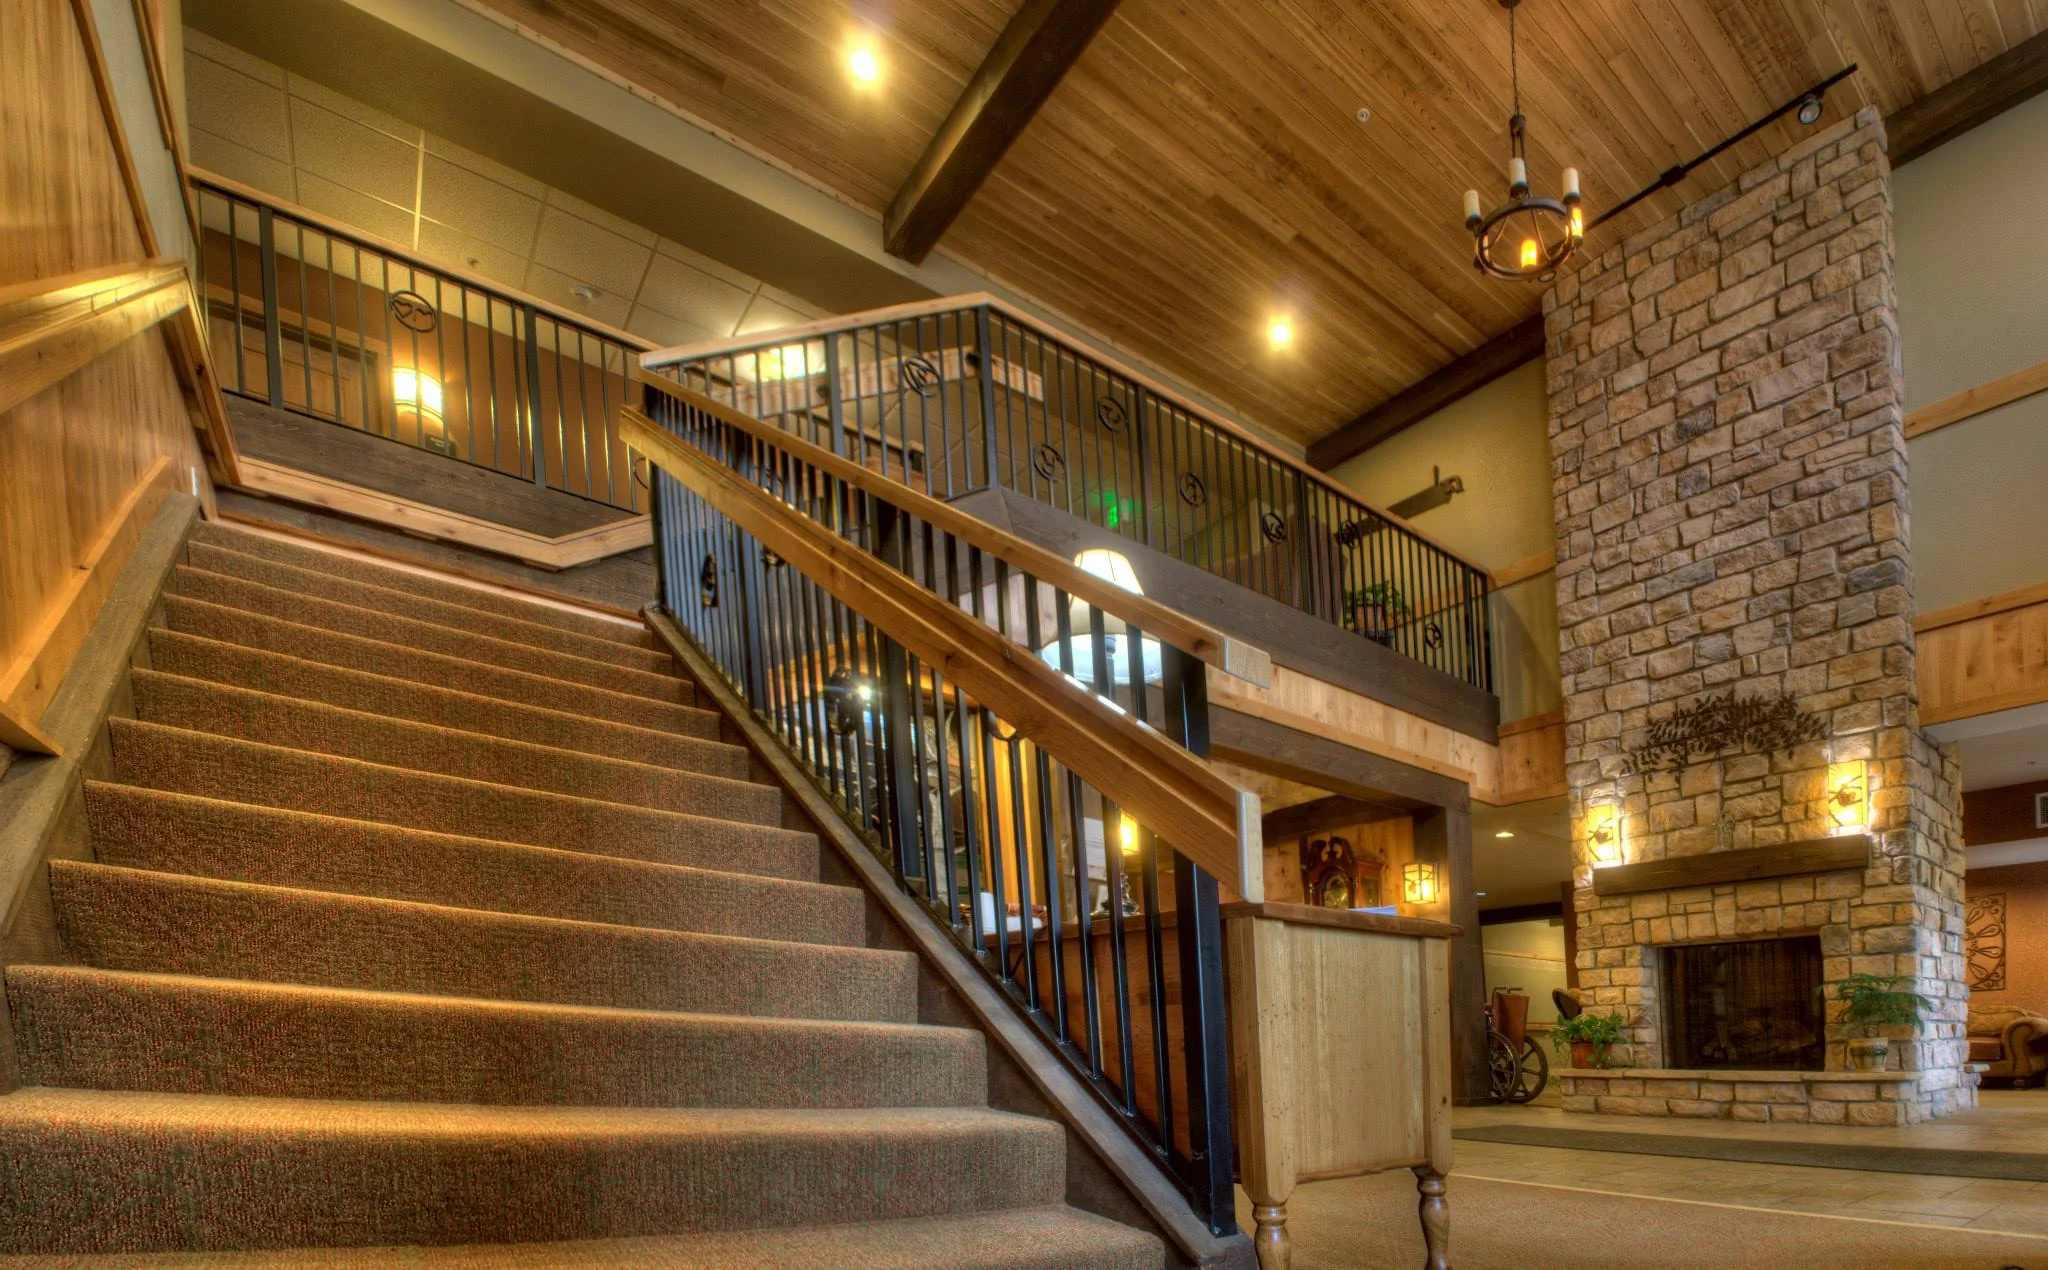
(1785, 859)
(2025, 597)
(1982, 657)
(1979, 400)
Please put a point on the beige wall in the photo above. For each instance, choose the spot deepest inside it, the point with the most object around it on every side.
(2025, 888)
(1497, 440)
(1973, 305)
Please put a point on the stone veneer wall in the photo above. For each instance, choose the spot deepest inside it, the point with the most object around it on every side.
(1730, 480)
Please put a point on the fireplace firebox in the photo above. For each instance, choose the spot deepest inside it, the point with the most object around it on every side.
(1750, 1004)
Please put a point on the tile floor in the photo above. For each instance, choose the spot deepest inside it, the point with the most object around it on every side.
(2006, 1121)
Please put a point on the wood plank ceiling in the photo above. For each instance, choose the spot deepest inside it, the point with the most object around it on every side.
(1202, 170)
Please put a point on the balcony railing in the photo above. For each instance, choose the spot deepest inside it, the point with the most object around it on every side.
(964, 395)
(310, 318)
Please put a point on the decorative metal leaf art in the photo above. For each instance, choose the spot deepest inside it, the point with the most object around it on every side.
(1048, 462)
(1984, 942)
(1109, 412)
(1193, 490)
(1274, 526)
(1714, 725)
(413, 311)
(1350, 533)
(919, 376)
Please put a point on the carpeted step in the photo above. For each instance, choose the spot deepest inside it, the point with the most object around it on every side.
(410, 633)
(93, 1171)
(383, 599)
(353, 652)
(178, 833)
(167, 923)
(253, 668)
(1008, 1239)
(313, 727)
(433, 586)
(101, 1029)
(235, 771)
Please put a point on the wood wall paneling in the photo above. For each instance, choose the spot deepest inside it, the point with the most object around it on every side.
(1531, 760)
(2004, 814)
(1996, 660)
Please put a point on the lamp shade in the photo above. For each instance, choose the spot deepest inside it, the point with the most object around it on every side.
(1078, 650)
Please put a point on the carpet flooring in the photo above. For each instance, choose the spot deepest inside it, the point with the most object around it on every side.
(1368, 1223)
(427, 926)
(2006, 1165)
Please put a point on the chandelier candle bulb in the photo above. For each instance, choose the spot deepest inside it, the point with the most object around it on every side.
(1571, 184)
(1518, 172)
(1472, 212)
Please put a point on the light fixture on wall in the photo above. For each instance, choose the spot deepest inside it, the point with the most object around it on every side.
(1525, 237)
(1603, 834)
(418, 397)
(1419, 883)
(1127, 833)
(1078, 650)
(1848, 795)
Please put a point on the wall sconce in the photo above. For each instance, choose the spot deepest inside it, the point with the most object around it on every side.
(1127, 831)
(1603, 834)
(1848, 795)
(419, 396)
(1419, 882)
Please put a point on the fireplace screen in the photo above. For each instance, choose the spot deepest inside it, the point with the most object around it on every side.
(1753, 1004)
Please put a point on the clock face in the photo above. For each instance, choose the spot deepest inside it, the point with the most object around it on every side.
(1335, 892)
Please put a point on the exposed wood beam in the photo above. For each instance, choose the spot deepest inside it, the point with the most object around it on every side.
(1034, 52)
(1440, 388)
(1968, 100)
(1324, 814)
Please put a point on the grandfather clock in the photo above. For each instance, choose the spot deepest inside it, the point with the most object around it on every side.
(1333, 877)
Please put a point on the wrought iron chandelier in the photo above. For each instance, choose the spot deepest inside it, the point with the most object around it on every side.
(1525, 237)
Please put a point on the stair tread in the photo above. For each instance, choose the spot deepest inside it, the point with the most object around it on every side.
(1051, 1238)
(138, 827)
(260, 670)
(315, 727)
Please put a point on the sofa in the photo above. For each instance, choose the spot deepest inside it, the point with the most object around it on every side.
(2013, 1042)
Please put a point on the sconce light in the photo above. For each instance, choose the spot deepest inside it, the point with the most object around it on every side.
(1848, 795)
(419, 396)
(1603, 834)
(1127, 830)
(1111, 567)
(1418, 882)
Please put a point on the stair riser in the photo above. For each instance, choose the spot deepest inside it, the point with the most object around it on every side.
(147, 829)
(424, 703)
(119, 919)
(361, 570)
(89, 1188)
(350, 652)
(95, 1031)
(322, 729)
(369, 595)
(217, 767)
(218, 588)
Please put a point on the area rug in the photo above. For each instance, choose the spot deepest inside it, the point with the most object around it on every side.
(2008, 1165)
(1368, 1223)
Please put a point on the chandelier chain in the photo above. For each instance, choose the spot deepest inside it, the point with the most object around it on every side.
(1514, 63)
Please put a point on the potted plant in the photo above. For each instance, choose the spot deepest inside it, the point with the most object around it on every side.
(1374, 609)
(1589, 1037)
(1875, 1001)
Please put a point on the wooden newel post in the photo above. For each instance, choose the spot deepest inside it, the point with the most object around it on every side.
(1340, 1057)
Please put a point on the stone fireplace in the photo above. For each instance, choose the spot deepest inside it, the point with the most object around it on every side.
(1755, 809)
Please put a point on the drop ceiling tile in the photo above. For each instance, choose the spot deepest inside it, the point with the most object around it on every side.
(698, 260)
(346, 152)
(769, 315)
(478, 206)
(664, 330)
(236, 108)
(204, 45)
(240, 163)
(458, 250)
(573, 246)
(349, 108)
(559, 289)
(794, 303)
(357, 211)
(442, 147)
(692, 295)
(598, 216)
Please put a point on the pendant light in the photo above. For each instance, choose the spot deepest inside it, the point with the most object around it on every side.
(1526, 237)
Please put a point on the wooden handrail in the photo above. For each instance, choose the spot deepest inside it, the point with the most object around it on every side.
(50, 328)
(1156, 620)
(677, 353)
(1160, 784)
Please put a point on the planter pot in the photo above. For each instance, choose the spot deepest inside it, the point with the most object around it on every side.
(1869, 1053)
(1588, 1054)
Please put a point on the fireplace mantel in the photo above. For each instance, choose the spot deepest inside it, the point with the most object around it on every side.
(1749, 864)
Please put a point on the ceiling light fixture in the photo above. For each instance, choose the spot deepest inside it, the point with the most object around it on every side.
(1809, 109)
(865, 66)
(1525, 237)
(1505, 833)
(1281, 333)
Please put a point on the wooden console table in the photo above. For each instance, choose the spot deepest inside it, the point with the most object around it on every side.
(1340, 1056)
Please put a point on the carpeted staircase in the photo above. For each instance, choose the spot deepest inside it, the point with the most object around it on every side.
(428, 925)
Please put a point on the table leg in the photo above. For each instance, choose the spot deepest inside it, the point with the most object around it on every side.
(1269, 1238)
(1436, 1218)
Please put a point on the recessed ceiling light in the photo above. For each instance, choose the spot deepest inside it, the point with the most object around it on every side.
(1479, 894)
(1505, 833)
(1365, 114)
(1280, 333)
(864, 64)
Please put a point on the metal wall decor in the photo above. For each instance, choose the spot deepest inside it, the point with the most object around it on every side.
(1715, 724)
(413, 312)
(1048, 462)
(1193, 490)
(1984, 942)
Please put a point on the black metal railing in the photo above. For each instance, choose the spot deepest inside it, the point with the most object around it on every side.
(1105, 938)
(314, 320)
(968, 395)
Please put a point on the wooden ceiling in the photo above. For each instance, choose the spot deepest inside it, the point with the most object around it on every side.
(1202, 170)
